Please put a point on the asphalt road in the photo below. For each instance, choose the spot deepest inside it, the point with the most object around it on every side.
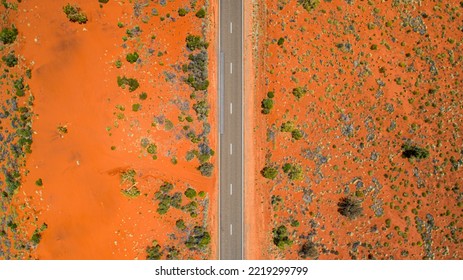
(231, 138)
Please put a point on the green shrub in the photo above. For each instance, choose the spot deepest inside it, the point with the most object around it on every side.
(118, 63)
(201, 13)
(269, 172)
(132, 57)
(202, 109)
(287, 126)
(74, 14)
(281, 237)
(198, 239)
(143, 96)
(10, 59)
(296, 134)
(151, 149)
(39, 182)
(349, 207)
(182, 12)
(180, 224)
(281, 41)
(8, 35)
(309, 5)
(136, 107)
(299, 92)
(154, 252)
(124, 81)
(103, 1)
(190, 193)
(206, 169)
(270, 94)
(294, 171)
(195, 42)
(267, 105)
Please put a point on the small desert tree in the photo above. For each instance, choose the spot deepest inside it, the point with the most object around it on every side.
(350, 207)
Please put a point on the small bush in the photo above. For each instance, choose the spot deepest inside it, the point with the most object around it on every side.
(287, 126)
(349, 208)
(180, 224)
(269, 172)
(154, 252)
(74, 14)
(132, 57)
(124, 81)
(299, 92)
(103, 1)
(294, 171)
(39, 182)
(182, 12)
(201, 13)
(8, 35)
(267, 105)
(296, 134)
(10, 59)
(136, 107)
(308, 250)
(309, 5)
(198, 239)
(195, 42)
(281, 237)
(151, 149)
(143, 96)
(281, 41)
(190, 193)
(206, 169)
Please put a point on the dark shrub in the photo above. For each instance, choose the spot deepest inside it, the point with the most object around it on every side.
(349, 207)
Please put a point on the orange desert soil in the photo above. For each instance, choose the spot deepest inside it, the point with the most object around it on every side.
(74, 81)
(365, 104)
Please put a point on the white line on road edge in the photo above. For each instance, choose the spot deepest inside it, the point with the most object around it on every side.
(231, 108)
(231, 27)
(231, 68)
(231, 189)
(231, 148)
(231, 229)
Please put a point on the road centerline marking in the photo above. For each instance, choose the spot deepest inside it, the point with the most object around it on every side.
(231, 108)
(231, 189)
(231, 229)
(231, 68)
(231, 148)
(231, 27)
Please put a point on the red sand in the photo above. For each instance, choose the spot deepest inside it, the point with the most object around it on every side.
(74, 83)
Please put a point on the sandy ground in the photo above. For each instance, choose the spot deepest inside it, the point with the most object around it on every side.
(75, 85)
(375, 76)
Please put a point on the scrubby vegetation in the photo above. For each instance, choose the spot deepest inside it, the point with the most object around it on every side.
(350, 207)
(412, 151)
(75, 14)
(132, 57)
(281, 237)
(10, 59)
(198, 239)
(8, 35)
(131, 82)
(269, 172)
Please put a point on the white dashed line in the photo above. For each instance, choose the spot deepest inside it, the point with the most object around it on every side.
(231, 189)
(231, 68)
(231, 148)
(231, 108)
(231, 27)
(231, 229)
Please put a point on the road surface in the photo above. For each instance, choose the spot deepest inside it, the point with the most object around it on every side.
(231, 130)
